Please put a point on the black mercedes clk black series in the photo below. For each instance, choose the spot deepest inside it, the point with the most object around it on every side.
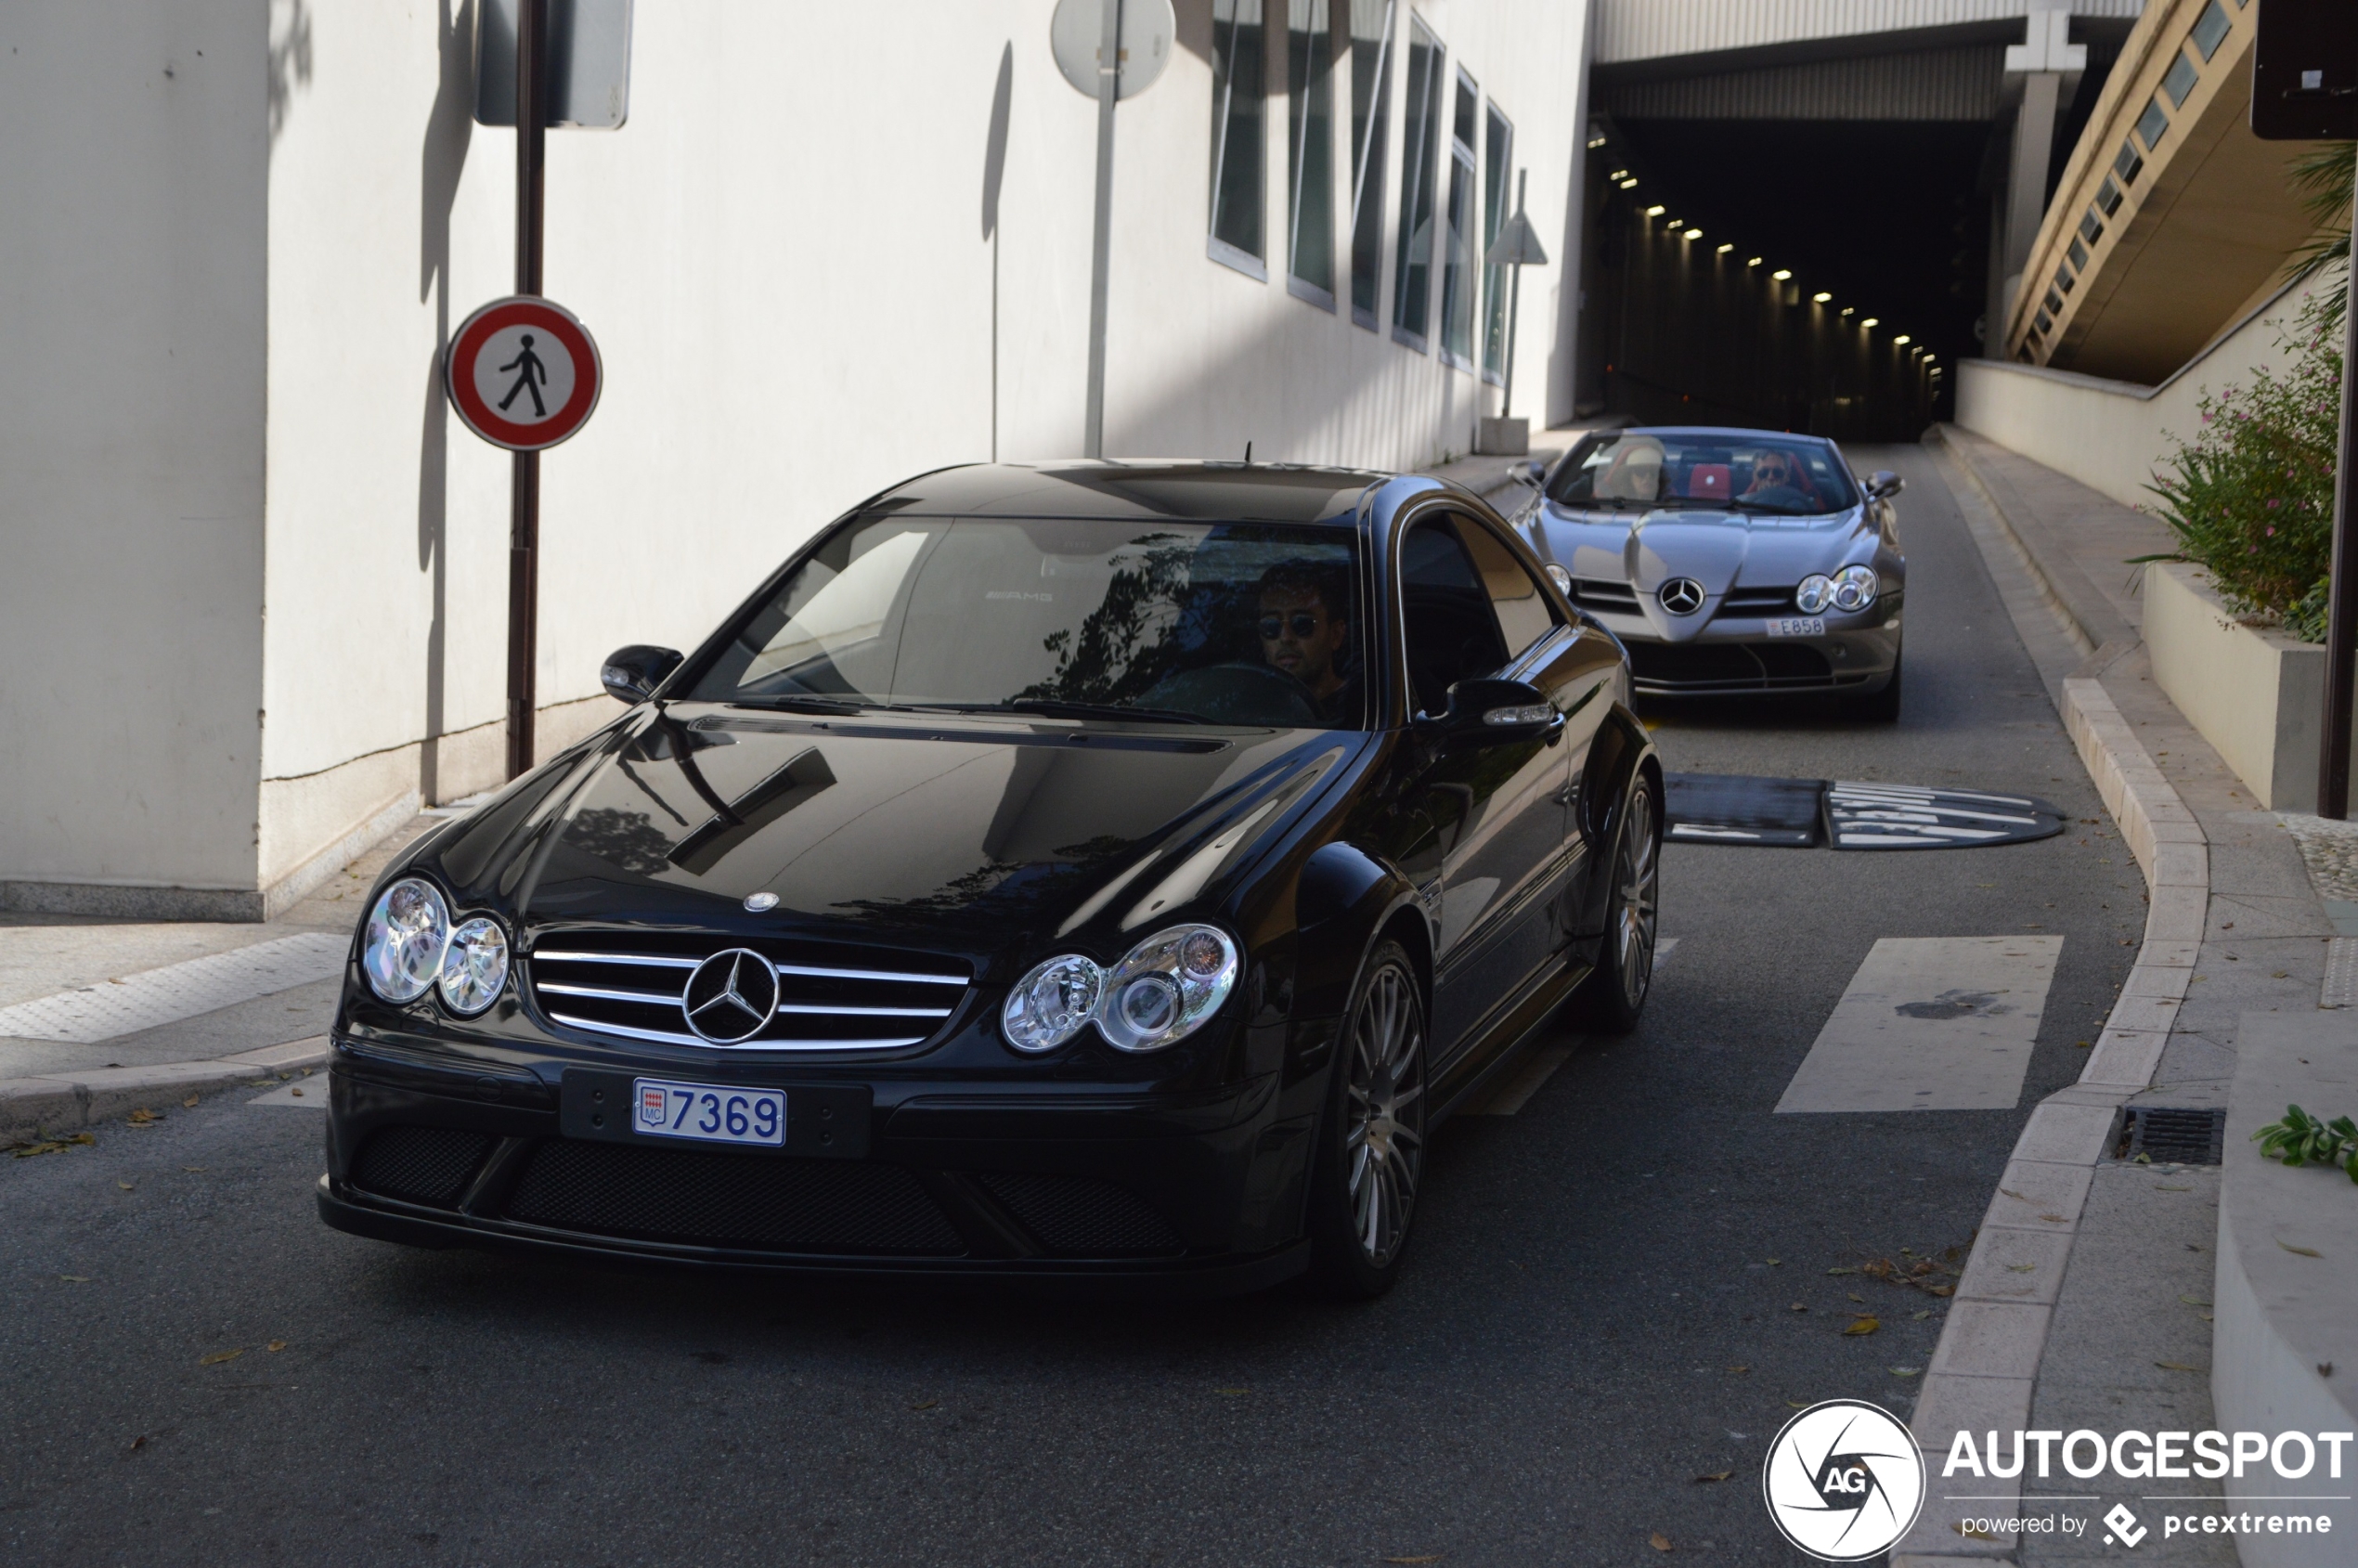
(1095, 873)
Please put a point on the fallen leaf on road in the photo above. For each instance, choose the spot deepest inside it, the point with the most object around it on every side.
(1702, 1480)
(1739, 1368)
(193, 1170)
(126, 1186)
(2012, 1194)
(2022, 1269)
(1801, 1306)
(1796, 1404)
(1855, 1296)
(2053, 1219)
(1659, 1541)
(1905, 1371)
(2304, 1252)
(2176, 1366)
(140, 1441)
(1864, 1326)
(1776, 1263)
(142, 1117)
(51, 1146)
(76, 1278)
(2324, 1368)
(296, 1093)
(1920, 1317)
(919, 1405)
(1842, 1271)
(2276, 974)
(189, 1104)
(275, 1344)
(1941, 1289)
(218, 1356)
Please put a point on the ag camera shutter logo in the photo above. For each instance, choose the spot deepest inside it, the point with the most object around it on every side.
(1843, 1481)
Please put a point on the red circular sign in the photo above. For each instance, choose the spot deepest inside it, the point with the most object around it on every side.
(523, 373)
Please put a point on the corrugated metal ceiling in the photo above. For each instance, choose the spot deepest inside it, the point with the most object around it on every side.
(1638, 30)
(1960, 84)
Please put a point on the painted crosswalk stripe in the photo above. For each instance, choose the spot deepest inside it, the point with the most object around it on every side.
(1930, 1023)
(89, 1014)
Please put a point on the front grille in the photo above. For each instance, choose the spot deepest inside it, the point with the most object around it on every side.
(831, 996)
(1750, 602)
(1728, 666)
(730, 1200)
(1603, 593)
(1081, 1217)
(419, 1164)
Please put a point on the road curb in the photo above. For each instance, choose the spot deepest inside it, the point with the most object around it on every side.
(32, 1107)
(1985, 1368)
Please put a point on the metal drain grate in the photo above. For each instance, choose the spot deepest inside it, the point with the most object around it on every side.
(2172, 1134)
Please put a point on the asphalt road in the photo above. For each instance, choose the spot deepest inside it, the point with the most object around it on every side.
(1616, 1296)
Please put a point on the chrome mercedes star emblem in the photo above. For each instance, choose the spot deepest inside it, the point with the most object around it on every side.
(1681, 596)
(730, 996)
(760, 902)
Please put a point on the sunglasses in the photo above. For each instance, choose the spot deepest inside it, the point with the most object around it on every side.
(1303, 623)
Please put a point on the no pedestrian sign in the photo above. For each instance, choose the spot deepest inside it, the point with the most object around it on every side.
(523, 373)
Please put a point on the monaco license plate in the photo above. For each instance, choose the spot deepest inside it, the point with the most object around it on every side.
(707, 1112)
(1798, 626)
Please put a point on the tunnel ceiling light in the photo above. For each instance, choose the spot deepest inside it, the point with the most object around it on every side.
(1618, 174)
(1821, 297)
(1694, 234)
(1628, 185)
(1754, 262)
(1596, 142)
(1655, 211)
(1782, 274)
(1871, 321)
(1723, 249)
(1849, 309)
(1900, 339)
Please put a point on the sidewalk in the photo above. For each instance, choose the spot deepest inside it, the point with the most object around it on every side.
(100, 1018)
(2098, 1311)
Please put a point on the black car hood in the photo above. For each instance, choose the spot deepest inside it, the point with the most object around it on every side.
(904, 829)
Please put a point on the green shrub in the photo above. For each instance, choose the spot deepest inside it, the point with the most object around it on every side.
(2251, 496)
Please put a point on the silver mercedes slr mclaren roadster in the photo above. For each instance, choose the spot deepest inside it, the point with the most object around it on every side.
(1730, 561)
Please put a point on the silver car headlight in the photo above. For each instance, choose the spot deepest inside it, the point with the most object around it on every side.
(475, 968)
(1811, 597)
(408, 933)
(1166, 987)
(1053, 1003)
(1160, 993)
(1855, 588)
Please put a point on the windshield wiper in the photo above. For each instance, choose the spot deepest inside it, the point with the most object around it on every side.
(1057, 707)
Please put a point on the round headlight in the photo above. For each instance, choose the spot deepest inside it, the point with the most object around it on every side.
(1811, 596)
(475, 968)
(1167, 986)
(1052, 1004)
(1855, 588)
(401, 952)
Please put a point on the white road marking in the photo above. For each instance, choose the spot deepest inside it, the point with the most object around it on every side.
(89, 1014)
(1930, 1023)
(1515, 1091)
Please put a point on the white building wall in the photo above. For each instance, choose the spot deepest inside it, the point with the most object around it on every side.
(782, 257)
(131, 458)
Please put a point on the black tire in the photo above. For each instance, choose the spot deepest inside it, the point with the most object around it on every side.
(1878, 707)
(1613, 996)
(1370, 1152)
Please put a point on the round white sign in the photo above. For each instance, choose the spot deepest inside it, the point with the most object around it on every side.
(1077, 33)
(527, 375)
(1844, 1480)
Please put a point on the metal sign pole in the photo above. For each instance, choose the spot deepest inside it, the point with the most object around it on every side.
(1514, 309)
(2341, 623)
(1092, 437)
(524, 505)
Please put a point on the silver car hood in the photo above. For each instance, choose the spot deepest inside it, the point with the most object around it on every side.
(1718, 549)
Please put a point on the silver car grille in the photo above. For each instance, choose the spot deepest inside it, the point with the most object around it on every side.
(633, 986)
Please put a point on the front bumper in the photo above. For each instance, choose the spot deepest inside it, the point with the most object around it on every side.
(1733, 656)
(1069, 1186)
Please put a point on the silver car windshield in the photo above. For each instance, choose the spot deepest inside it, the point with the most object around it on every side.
(1715, 473)
(1209, 623)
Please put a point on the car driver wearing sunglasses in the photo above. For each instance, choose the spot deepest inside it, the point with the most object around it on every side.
(1303, 632)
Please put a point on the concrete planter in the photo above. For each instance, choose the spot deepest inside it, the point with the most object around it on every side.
(2257, 695)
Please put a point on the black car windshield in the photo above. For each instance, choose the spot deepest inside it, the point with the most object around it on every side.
(1217, 623)
(1715, 472)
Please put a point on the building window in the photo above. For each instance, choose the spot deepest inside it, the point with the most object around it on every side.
(2153, 122)
(1238, 103)
(1310, 144)
(2210, 30)
(1420, 154)
(2054, 301)
(2078, 254)
(2128, 165)
(1370, 122)
(1497, 159)
(2044, 321)
(2108, 197)
(2178, 82)
(2092, 228)
(2063, 279)
(1457, 277)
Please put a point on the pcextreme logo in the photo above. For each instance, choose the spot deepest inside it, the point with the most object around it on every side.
(1843, 1480)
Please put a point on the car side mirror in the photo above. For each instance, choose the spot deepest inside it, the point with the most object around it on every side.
(1534, 472)
(631, 674)
(1882, 484)
(1491, 712)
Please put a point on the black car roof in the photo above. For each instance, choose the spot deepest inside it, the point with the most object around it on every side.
(1208, 492)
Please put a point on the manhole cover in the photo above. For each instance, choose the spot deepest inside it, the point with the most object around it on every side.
(2172, 1134)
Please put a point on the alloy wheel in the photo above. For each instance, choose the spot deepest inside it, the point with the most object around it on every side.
(1384, 1113)
(1638, 883)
